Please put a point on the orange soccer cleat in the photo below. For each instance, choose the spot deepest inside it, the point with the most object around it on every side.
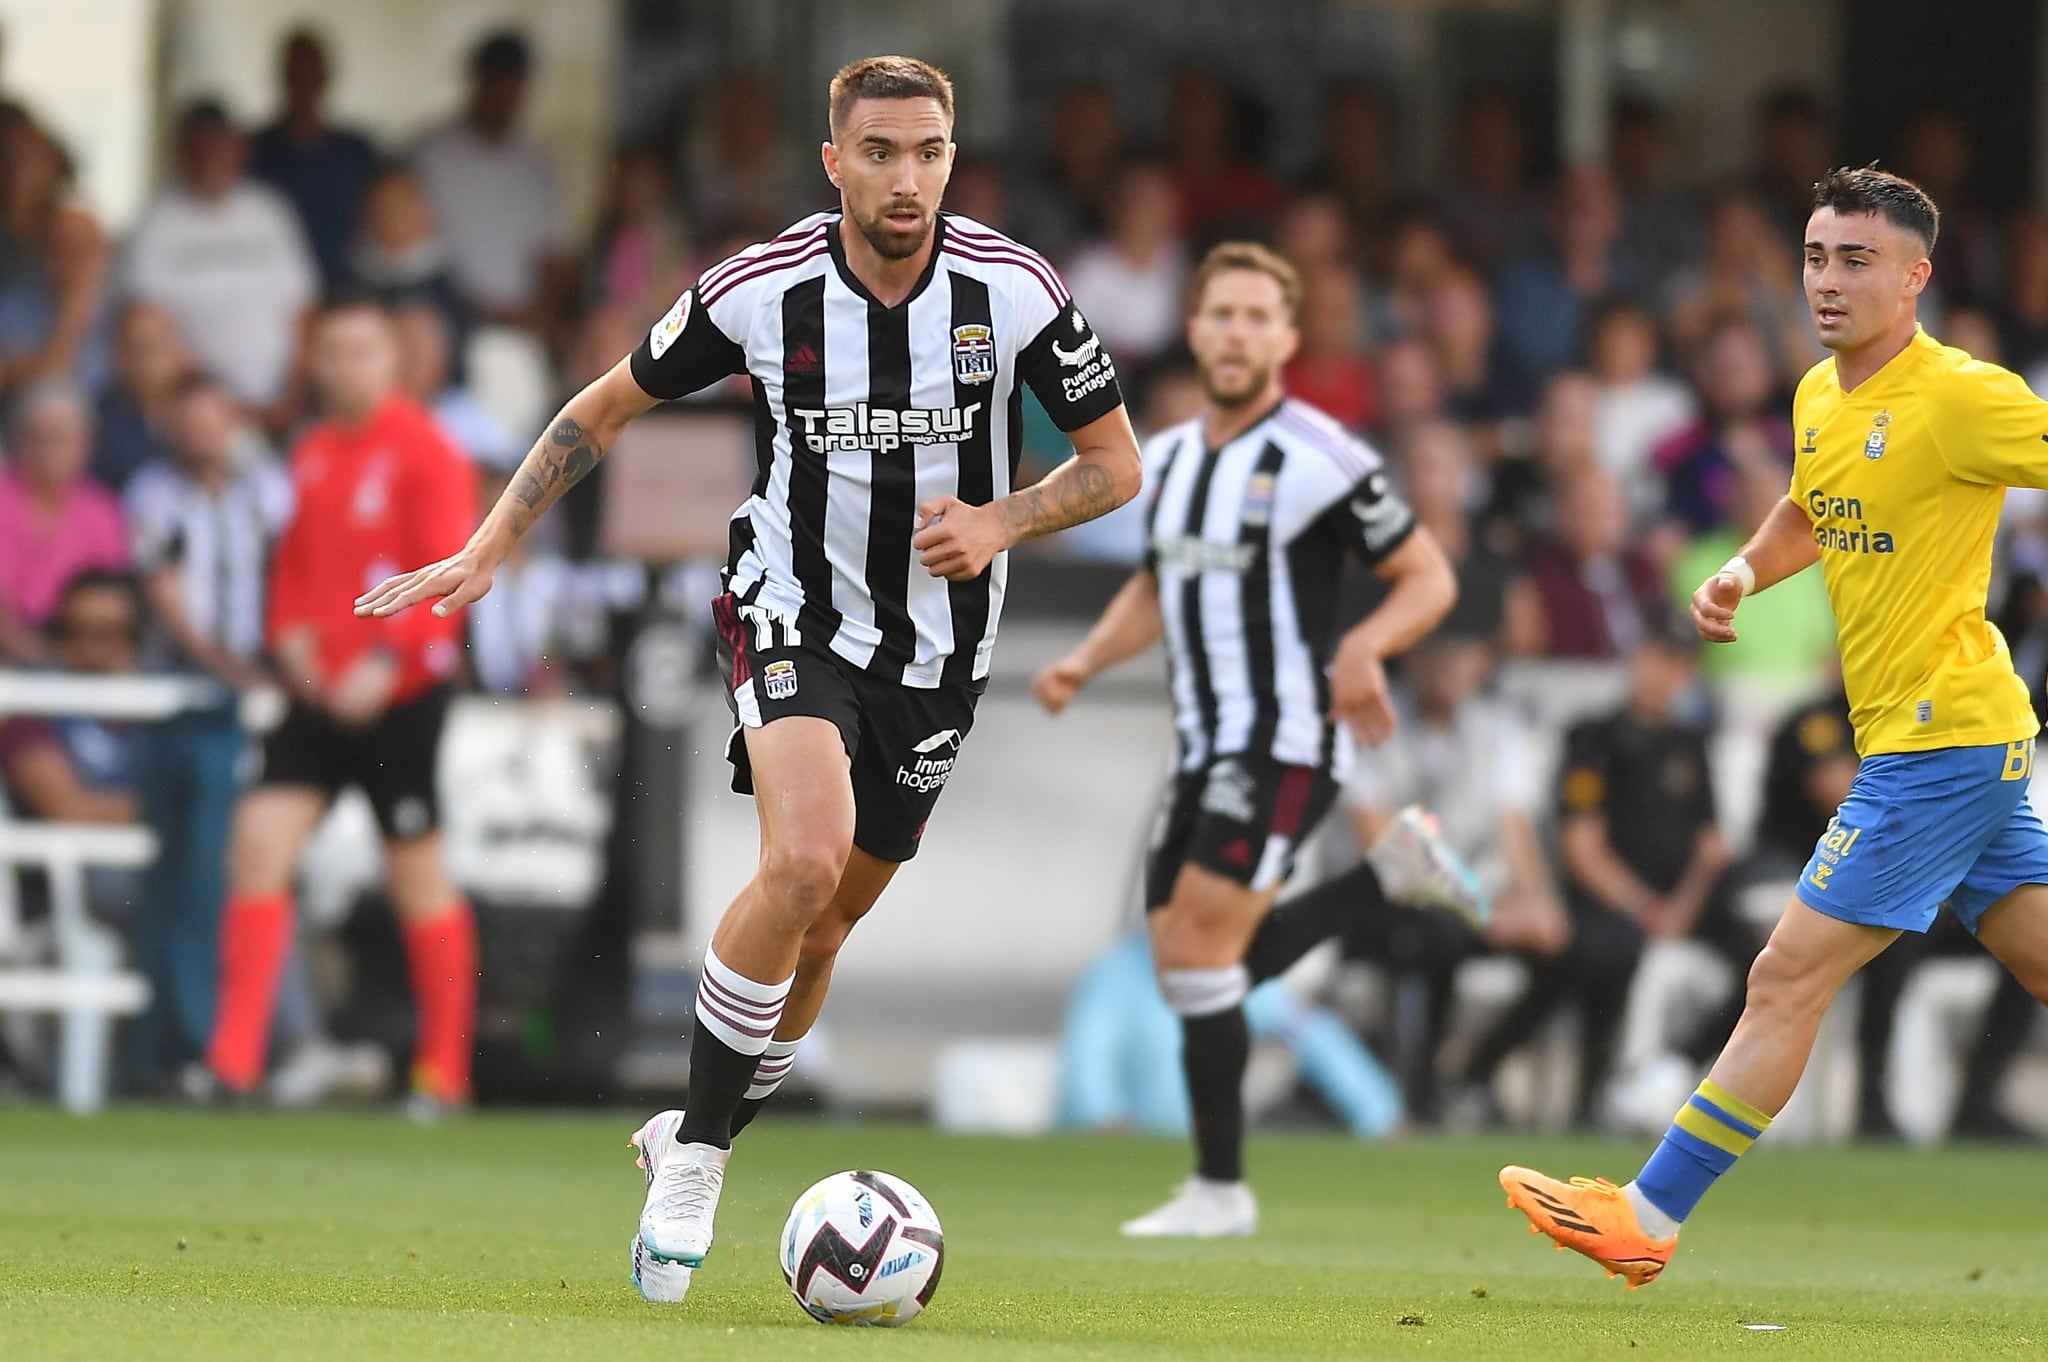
(1590, 1216)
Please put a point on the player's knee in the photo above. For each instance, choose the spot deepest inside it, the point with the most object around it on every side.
(804, 874)
(1781, 982)
(1184, 937)
(822, 941)
(256, 865)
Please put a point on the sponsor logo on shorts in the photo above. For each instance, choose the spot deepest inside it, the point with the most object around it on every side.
(409, 816)
(931, 762)
(778, 679)
(1834, 848)
(1231, 793)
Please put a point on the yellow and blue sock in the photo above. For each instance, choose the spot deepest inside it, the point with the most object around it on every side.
(1713, 1129)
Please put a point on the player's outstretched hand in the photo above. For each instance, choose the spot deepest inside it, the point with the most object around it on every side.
(1713, 607)
(452, 583)
(955, 540)
(1359, 696)
(1058, 684)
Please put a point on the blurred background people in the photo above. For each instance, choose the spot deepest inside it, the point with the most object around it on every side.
(55, 522)
(495, 195)
(227, 259)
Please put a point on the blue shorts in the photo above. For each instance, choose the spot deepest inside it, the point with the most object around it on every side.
(1920, 829)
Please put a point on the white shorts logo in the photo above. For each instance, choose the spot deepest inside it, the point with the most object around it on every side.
(409, 817)
(931, 762)
(778, 679)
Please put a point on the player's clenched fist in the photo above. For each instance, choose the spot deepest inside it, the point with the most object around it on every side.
(957, 541)
(1058, 683)
(1713, 607)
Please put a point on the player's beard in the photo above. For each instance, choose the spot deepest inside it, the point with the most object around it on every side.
(1254, 387)
(889, 243)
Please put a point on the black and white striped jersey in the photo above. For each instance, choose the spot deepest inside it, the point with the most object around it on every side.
(863, 411)
(1246, 542)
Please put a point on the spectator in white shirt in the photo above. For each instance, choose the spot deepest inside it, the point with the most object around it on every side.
(495, 195)
(1131, 278)
(227, 258)
(1636, 407)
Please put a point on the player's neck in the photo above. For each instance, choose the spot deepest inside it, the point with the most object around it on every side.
(1854, 368)
(890, 281)
(1221, 424)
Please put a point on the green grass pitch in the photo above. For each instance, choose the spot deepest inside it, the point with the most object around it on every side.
(164, 1235)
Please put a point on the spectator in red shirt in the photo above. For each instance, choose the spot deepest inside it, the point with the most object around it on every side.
(1598, 593)
(377, 486)
(1222, 188)
(1330, 370)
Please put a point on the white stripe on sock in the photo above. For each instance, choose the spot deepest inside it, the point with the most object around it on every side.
(739, 1011)
(1201, 992)
(776, 1062)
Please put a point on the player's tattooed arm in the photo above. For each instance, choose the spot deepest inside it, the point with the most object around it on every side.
(1104, 473)
(558, 461)
(1070, 495)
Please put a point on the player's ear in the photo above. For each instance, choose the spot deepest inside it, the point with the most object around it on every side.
(829, 154)
(1291, 342)
(1917, 276)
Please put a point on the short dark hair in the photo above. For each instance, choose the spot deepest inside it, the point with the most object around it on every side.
(501, 52)
(888, 78)
(1247, 255)
(1896, 199)
(351, 295)
(206, 112)
(193, 382)
(90, 579)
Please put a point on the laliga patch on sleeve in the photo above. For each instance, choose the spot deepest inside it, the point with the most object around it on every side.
(668, 328)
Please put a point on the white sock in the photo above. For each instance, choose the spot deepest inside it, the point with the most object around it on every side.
(740, 1012)
(1655, 1223)
(773, 1068)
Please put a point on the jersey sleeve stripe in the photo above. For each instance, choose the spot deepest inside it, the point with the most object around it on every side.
(983, 236)
(1328, 438)
(1046, 279)
(1002, 248)
(780, 248)
(762, 270)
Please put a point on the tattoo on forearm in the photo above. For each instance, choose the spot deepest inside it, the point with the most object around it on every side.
(558, 461)
(1069, 495)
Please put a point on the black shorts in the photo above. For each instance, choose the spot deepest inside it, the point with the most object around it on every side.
(1242, 817)
(391, 761)
(902, 740)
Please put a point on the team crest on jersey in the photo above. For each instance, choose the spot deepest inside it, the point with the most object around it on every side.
(668, 328)
(974, 353)
(1873, 443)
(778, 678)
(1258, 499)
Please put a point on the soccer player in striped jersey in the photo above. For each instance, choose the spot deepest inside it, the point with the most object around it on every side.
(1905, 449)
(887, 344)
(1253, 506)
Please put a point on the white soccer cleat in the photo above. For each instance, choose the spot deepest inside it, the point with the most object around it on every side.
(683, 1183)
(663, 1283)
(1416, 866)
(1200, 1209)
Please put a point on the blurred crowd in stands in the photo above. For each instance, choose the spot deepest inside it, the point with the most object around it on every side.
(1582, 379)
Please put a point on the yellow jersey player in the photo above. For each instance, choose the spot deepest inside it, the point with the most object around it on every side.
(1905, 449)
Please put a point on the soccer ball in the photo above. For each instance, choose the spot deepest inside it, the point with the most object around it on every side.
(862, 1248)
